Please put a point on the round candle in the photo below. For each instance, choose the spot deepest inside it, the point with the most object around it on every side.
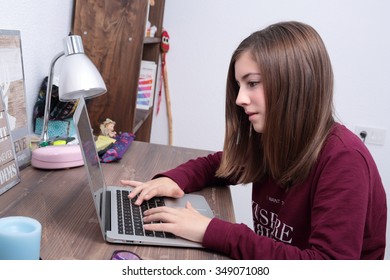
(20, 238)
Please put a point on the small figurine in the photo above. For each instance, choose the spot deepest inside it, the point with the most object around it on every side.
(107, 128)
(150, 29)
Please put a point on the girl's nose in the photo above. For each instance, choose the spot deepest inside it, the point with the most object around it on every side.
(242, 98)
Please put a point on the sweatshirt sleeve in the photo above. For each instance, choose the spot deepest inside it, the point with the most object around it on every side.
(196, 174)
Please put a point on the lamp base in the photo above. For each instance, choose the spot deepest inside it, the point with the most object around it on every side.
(57, 157)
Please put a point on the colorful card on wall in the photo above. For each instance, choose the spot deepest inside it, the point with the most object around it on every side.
(146, 84)
(12, 91)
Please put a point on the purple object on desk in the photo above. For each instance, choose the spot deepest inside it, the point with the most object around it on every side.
(123, 142)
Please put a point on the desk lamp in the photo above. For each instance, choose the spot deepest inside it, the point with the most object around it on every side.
(78, 78)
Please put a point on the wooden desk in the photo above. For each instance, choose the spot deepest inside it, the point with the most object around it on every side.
(62, 202)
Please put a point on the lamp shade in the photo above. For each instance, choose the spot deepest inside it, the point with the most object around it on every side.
(79, 78)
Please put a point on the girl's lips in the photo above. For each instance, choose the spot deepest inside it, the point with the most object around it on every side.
(251, 116)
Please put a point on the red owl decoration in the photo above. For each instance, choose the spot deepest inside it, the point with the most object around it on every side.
(165, 41)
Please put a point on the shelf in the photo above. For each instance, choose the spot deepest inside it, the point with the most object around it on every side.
(152, 40)
(140, 117)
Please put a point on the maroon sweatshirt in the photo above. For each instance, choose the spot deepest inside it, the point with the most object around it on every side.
(339, 212)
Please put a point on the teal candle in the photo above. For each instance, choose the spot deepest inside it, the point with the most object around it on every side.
(20, 238)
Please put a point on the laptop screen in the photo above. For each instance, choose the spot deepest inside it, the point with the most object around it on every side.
(91, 159)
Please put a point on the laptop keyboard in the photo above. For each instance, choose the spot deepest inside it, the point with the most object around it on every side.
(130, 216)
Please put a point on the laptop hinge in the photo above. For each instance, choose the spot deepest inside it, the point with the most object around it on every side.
(108, 211)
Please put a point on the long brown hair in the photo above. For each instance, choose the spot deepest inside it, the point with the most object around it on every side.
(298, 82)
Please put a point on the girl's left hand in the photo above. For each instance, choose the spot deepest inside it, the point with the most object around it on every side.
(185, 222)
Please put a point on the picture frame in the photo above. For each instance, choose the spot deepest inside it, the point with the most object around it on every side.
(12, 90)
(9, 170)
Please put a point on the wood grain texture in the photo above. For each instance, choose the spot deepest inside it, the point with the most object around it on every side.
(62, 202)
(113, 34)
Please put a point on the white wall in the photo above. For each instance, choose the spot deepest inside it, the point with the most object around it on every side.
(204, 33)
(43, 25)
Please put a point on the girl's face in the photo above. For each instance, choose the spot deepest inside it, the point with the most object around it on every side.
(251, 93)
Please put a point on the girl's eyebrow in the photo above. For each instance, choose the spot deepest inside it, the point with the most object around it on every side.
(250, 74)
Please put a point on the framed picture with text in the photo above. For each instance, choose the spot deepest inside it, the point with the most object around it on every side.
(9, 171)
(12, 90)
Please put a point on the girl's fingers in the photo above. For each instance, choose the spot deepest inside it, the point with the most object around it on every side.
(157, 210)
(166, 227)
(157, 187)
(137, 188)
(130, 183)
(184, 222)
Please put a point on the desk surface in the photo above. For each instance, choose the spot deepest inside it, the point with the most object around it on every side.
(62, 202)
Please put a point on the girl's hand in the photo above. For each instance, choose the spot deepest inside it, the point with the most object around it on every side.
(185, 222)
(162, 186)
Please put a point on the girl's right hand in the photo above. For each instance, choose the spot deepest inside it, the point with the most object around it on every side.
(162, 186)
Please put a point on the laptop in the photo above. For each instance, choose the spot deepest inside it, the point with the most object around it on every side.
(119, 219)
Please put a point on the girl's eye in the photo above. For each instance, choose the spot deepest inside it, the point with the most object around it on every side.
(253, 84)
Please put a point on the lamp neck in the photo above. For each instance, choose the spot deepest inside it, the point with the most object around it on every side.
(73, 45)
(45, 132)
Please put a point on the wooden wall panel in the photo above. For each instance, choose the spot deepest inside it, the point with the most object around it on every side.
(112, 33)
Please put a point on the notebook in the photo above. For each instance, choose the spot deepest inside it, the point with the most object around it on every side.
(112, 204)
